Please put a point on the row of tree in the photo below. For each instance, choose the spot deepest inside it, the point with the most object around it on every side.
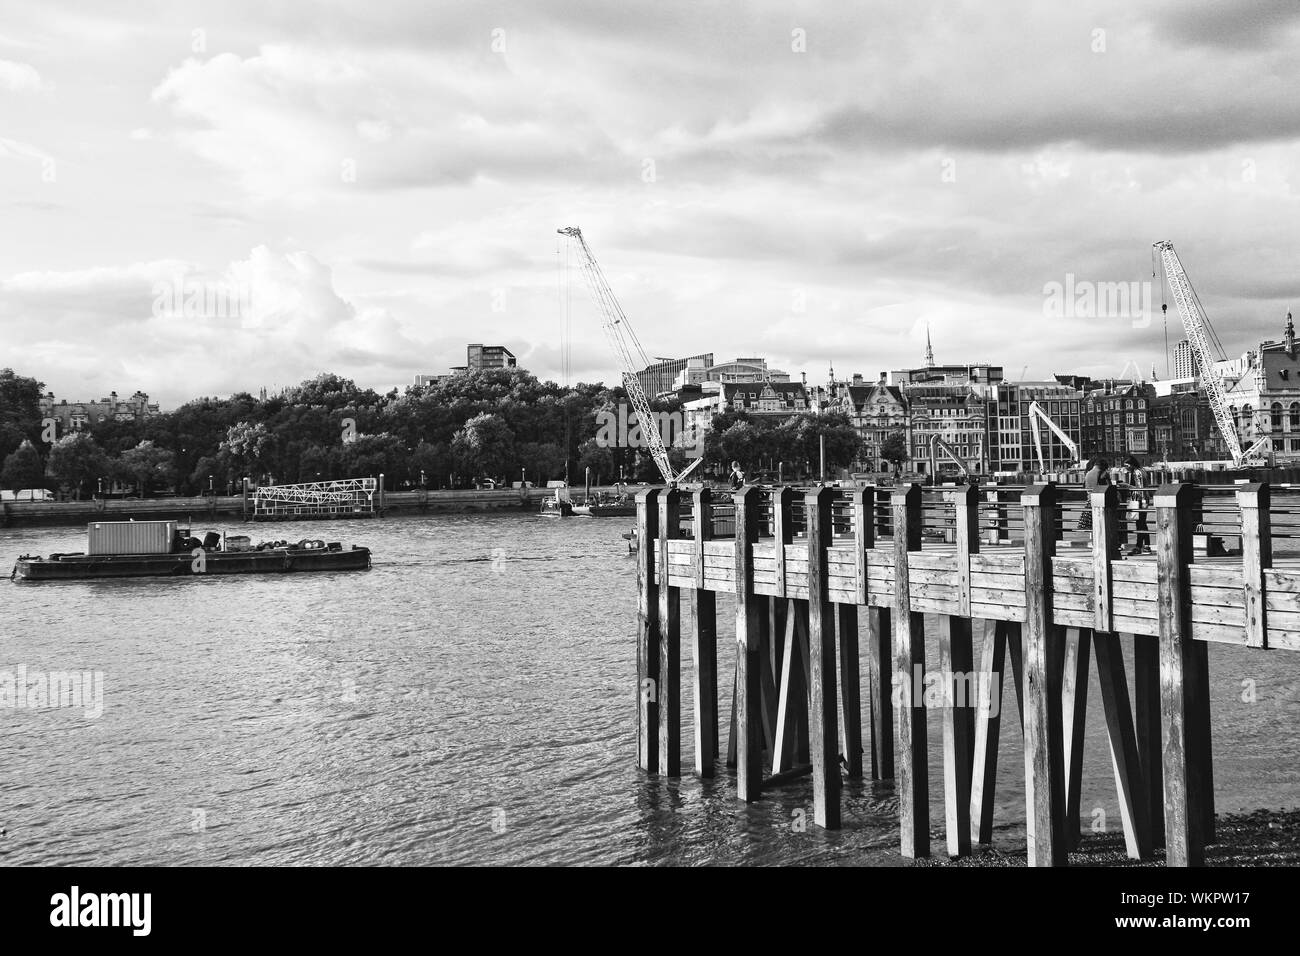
(499, 423)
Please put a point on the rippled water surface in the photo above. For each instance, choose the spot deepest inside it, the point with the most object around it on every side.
(468, 700)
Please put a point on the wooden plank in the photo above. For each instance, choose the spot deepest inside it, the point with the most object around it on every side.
(998, 562)
(792, 696)
(1136, 625)
(1278, 582)
(1134, 803)
(1070, 584)
(945, 578)
(1212, 576)
(1218, 633)
(912, 782)
(1074, 709)
(749, 693)
(782, 534)
(1000, 582)
(991, 596)
(880, 671)
(1143, 610)
(926, 561)
(1220, 597)
(1134, 572)
(1044, 750)
(647, 632)
(988, 724)
(670, 639)
(955, 659)
(1227, 616)
(997, 612)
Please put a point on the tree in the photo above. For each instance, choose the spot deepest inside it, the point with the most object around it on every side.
(545, 460)
(147, 464)
(20, 402)
(485, 446)
(23, 468)
(894, 448)
(245, 446)
(77, 460)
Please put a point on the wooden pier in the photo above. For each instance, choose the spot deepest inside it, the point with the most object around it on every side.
(1006, 576)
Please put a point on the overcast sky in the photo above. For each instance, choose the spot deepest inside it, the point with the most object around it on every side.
(813, 183)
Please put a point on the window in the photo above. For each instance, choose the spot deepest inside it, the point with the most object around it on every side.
(1128, 418)
(1293, 414)
(1275, 418)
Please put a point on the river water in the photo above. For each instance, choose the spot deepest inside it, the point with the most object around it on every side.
(469, 700)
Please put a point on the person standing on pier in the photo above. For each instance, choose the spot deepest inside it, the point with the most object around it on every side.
(1095, 480)
(737, 476)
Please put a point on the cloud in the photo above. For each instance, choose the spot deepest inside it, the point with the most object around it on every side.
(20, 78)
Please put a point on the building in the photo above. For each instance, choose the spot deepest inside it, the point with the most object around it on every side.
(659, 377)
(980, 376)
(958, 414)
(1184, 360)
(1265, 399)
(876, 411)
(74, 416)
(756, 399)
(478, 357)
(697, 371)
(1116, 421)
(1012, 431)
(1183, 426)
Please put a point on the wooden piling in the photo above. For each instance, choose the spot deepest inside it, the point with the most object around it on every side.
(913, 784)
(670, 640)
(954, 659)
(880, 670)
(1044, 746)
(704, 642)
(988, 725)
(647, 632)
(1135, 812)
(748, 727)
(1181, 681)
(1074, 710)
(823, 719)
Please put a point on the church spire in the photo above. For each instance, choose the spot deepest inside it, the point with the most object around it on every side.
(929, 349)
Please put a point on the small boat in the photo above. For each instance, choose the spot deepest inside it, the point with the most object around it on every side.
(607, 506)
(557, 506)
(121, 549)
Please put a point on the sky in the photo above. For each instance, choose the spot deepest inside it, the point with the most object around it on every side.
(199, 198)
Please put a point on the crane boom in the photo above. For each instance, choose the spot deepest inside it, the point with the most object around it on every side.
(937, 444)
(627, 350)
(1194, 324)
(1036, 414)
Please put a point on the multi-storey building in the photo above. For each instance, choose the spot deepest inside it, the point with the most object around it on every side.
(1182, 424)
(958, 414)
(477, 358)
(74, 416)
(700, 369)
(876, 411)
(1012, 430)
(1265, 399)
(1184, 360)
(660, 376)
(1116, 421)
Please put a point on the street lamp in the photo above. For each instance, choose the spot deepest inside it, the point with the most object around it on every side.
(211, 487)
(100, 483)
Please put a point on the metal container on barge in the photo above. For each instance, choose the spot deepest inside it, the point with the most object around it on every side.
(119, 549)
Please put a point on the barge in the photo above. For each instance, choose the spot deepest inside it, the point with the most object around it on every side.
(121, 549)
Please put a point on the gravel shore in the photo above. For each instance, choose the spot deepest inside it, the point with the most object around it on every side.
(1258, 838)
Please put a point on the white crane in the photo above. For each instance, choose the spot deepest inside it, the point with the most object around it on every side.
(1036, 414)
(628, 353)
(1195, 324)
(937, 444)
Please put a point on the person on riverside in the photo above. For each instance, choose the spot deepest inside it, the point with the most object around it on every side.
(737, 476)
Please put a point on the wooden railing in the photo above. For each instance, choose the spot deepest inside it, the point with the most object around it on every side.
(801, 565)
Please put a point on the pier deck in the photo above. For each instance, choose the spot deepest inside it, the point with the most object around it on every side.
(802, 565)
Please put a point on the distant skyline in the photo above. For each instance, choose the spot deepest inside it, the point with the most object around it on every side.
(376, 186)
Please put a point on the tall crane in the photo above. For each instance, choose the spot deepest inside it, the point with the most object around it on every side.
(1036, 414)
(1198, 330)
(628, 353)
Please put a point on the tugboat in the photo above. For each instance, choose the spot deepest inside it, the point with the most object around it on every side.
(604, 504)
(120, 549)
